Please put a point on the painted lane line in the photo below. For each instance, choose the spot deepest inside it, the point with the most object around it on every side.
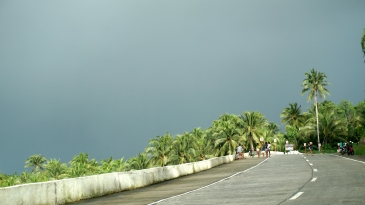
(348, 158)
(296, 196)
(310, 164)
(314, 179)
(188, 192)
(315, 170)
(307, 160)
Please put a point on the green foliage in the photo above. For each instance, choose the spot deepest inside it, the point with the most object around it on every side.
(159, 150)
(36, 161)
(222, 138)
(292, 115)
(252, 124)
(359, 149)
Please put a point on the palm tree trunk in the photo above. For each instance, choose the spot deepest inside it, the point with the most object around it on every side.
(315, 101)
(251, 143)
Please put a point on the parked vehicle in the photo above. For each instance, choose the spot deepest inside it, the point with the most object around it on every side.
(350, 149)
(347, 149)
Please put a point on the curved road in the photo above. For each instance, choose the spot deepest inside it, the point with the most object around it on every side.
(281, 179)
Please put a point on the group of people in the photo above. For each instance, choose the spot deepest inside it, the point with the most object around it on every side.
(263, 149)
(239, 152)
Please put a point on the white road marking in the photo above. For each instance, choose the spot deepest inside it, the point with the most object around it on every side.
(208, 184)
(307, 160)
(315, 170)
(296, 196)
(348, 158)
(314, 179)
(310, 164)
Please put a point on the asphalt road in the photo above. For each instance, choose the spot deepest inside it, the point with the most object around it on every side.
(281, 179)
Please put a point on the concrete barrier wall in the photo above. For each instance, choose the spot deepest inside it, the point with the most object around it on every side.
(75, 189)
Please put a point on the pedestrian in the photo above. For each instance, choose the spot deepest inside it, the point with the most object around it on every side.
(266, 149)
(269, 148)
(236, 153)
(258, 148)
(310, 148)
(263, 149)
(240, 152)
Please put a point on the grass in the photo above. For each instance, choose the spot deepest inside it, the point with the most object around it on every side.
(359, 149)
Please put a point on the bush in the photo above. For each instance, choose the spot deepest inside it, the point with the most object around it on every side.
(359, 149)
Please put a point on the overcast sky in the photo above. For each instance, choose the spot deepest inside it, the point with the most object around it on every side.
(104, 77)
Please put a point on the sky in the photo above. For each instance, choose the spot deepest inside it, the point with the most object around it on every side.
(105, 77)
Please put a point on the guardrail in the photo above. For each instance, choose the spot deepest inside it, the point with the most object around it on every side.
(75, 189)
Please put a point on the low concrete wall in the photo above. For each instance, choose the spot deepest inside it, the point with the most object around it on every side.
(74, 189)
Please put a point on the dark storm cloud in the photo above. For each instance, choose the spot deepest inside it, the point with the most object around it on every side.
(105, 77)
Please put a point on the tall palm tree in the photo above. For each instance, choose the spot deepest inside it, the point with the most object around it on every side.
(37, 161)
(252, 123)
(292, 115)
(315, 83)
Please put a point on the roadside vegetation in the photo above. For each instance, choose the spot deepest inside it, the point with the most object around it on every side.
(324, 122)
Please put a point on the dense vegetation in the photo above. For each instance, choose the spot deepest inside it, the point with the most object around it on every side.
(323, 122)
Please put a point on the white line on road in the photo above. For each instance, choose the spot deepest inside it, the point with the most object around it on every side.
(315, 170)
(348, 158)
(307, 160)
(314, 179)
(296, 196)
(208, 184)
(310, 164)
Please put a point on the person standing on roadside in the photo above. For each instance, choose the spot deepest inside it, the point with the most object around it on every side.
(263, 149)
(266, 150)
(269, 148)
(310, 148)
(240, 152)
(258, 148)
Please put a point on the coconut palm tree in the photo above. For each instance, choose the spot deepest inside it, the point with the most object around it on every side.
(252, 123)
(292, 115)
(119, 165)
(332, 126)
(139, 162)
(36, 161)
(56, 169)
(159, 150)
(226, 134)
(273, 128)
(183, 149)
(81, 166)
(315, 83)
(107, 165)
(203, 146)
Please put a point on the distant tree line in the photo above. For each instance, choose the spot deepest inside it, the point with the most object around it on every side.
(324, 122)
